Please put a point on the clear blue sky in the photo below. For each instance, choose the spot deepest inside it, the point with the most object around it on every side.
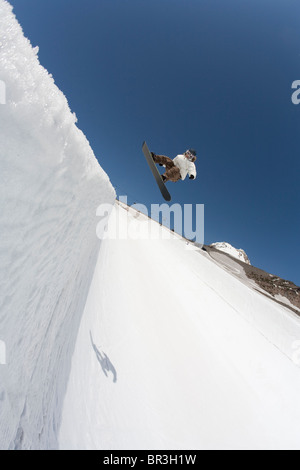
(210, 74)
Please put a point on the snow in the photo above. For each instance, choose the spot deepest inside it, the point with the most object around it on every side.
(236, 253)
(129, 342)
(50, 187)
(186, 366)
(285, 300)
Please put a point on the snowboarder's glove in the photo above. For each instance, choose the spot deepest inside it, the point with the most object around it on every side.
(192, 177)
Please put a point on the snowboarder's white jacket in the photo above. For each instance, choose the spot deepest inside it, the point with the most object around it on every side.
(185, 166)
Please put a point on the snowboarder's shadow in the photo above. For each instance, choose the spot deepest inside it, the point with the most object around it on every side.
(104, 361)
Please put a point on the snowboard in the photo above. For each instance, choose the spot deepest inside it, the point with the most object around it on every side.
(165, 193)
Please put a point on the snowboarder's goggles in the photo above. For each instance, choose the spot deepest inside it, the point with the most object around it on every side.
(190, 156)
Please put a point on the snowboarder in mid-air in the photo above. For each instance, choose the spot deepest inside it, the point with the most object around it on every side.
(179, 168)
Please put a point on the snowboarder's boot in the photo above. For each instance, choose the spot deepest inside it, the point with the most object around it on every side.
(154, 156)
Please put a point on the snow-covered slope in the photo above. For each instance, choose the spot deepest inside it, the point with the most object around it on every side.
(175, 352)
(153, 344)
(280, 290)
(50, 187)
(236, 253)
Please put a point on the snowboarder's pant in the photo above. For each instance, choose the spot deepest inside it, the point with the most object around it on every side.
(172, 172)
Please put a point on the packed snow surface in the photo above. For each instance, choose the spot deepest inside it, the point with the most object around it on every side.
(169, 355)
(50, 187)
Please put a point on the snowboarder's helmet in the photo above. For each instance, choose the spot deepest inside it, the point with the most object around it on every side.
(191, 154)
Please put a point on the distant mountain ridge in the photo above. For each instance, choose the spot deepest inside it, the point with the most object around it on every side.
(236, 253)
(284, 292)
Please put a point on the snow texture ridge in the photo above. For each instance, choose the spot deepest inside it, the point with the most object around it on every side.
(51, 185)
